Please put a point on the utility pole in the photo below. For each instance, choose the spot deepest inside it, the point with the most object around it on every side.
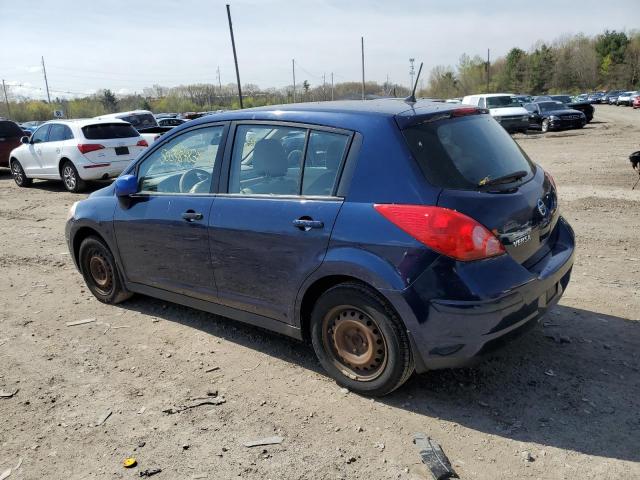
(235, 56)
(412, 72)
(46, 83)
(324, 85)
(219, 80)
(488, 68)
(6, 99)
(293, 66)
(332, 86)
(362, 48)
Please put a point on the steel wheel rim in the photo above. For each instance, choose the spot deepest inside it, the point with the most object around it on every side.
(100, 272)
(17, 172)
(355, 343)
(69, 177)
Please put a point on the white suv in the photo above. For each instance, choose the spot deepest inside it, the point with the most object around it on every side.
(504, 108)
(75, 151)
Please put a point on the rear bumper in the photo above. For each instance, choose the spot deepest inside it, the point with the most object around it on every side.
(510, 299)
(98, 171)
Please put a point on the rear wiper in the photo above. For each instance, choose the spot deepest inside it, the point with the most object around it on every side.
(511, 177)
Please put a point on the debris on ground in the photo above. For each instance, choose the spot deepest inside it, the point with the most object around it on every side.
(4, 394)
(81, 322)
(5, 474)
(103, 418)
(212, 369)
(212, 398)
(129, 462)
(252, 368)
(150, 471)
(558, 338)
(550, 373)
(433, 457)
(264, 441)
(527, 457)
(141, 411)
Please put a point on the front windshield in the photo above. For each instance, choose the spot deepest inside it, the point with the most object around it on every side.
(502, 102)
(551, 106)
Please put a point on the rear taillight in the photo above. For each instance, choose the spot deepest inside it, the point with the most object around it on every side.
(142, 143)
(445, 231)
(89, 147)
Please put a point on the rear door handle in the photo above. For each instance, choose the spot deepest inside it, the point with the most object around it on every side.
(191, 216)
(307, 224)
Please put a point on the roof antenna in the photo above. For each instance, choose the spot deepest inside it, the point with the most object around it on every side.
(412, 98)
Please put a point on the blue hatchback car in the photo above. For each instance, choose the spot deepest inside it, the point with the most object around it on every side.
(395, 237)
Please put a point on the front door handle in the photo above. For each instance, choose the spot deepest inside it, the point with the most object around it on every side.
(191, 216)
(306, 223)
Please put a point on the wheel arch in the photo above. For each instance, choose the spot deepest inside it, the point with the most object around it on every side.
(61, 162)
(81, 234)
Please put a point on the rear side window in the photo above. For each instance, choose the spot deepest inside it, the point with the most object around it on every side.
(60, 133)
(10, 129)
(323, 161)
(103, 131)
(460, 153)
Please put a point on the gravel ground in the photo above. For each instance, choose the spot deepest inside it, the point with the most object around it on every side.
(561, 403)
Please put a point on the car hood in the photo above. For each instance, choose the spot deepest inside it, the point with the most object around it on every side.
(563, 111)
(501, 112)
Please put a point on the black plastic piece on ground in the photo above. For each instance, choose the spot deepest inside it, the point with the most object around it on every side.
(433, 457)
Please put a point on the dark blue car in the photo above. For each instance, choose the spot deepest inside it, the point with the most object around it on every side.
(403, 237)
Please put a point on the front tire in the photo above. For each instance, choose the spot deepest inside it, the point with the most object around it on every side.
(360, 341)
(18, 174)
(100, 271)
(71, 179)
(545, 125)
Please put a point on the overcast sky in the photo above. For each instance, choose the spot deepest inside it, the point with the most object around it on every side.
(126, 45)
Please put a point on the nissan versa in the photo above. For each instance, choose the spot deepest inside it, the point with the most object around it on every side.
(394, 236)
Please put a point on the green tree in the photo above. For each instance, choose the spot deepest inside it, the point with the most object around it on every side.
(109, 101)
(515, 70)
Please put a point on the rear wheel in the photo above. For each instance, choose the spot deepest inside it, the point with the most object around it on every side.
(71, 179)
(100, 271)
(18, 174)
(360, 341)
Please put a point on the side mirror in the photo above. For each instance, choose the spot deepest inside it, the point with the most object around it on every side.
(126, 185)
(25, 140)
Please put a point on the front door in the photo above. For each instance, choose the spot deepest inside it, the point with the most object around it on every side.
(271, 229)
(162, 230)
(33, 165)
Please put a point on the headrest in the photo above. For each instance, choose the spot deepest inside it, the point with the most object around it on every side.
(270, 158)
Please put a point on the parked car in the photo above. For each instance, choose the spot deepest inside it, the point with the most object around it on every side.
(170, 122)
(584, 107)
(625, 98)
(30, 127)
(554, 115)
(422, 237)
(75, 151)
(595, 97)
(636, 102)
(503, 107)
(523, 99)
(10, 135)
(613, 97)
(143, 121)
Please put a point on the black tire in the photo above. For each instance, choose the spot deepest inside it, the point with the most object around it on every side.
(342, 314)
(70, 178)
(100, 271)
(545, 126)
(18, 174)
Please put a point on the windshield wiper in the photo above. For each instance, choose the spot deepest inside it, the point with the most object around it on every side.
(511, 177)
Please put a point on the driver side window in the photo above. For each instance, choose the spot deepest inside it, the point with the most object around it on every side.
(182, 165)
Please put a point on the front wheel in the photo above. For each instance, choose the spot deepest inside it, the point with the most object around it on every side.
(545, 125)
(100, 271)
(71, 179)
(18, 175)
(360, 341)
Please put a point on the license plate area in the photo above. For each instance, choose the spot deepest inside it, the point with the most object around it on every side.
(122, 150)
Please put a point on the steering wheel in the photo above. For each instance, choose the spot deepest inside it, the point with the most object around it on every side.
(191, 178)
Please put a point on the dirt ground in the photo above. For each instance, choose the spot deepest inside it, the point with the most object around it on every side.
(561, 403)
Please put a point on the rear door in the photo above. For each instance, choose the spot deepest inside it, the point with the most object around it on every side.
(271, 228)
(162, 230)
(10, 135)
(467, 157)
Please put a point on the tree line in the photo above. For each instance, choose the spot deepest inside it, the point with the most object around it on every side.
(570, 64)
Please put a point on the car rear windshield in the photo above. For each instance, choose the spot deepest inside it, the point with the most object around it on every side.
(463, 153)
(143, 120)
(104, 131)
(10, 129)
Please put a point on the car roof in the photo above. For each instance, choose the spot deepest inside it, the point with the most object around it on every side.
(121, 114)
(489, 95)
(341, 114)
(83, 122)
